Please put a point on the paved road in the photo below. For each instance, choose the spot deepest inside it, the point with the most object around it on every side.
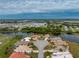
(36, 51)
(40, 44)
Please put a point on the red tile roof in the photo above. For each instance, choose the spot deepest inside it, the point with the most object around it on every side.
(19, 55)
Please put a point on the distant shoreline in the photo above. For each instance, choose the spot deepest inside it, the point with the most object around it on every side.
(39, 19)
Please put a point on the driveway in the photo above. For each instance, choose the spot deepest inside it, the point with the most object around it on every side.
(40, 44)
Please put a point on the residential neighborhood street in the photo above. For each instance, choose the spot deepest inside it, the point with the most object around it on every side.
(40, 44)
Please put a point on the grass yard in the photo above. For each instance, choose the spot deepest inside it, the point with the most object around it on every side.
(48, 54)
(6, 47)
(74, 49)
(34, 55)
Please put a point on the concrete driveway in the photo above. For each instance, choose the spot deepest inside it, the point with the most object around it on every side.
(40, 44)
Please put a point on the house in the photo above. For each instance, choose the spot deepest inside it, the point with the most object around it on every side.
(0, 43)
(35, 37)
(21, 43)
(19, 55)
(46, 36)
(58, 41)
(23, 48)
(26, 39)
(35, 24)
(65, 54)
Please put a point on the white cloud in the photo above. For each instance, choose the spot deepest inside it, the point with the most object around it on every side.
(20, 6)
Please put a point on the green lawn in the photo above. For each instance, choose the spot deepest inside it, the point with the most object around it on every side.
(6, 47)
(33, 46)
(46, 54)
(49, 46)
(34, 55)
(74, 49)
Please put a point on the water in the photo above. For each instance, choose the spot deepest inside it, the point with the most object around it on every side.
(49, 15)
(13, 34)
(72, 38)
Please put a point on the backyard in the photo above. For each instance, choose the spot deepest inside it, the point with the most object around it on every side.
(6, 47)
(74, 49)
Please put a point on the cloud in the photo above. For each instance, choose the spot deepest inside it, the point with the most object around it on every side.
(34, 6)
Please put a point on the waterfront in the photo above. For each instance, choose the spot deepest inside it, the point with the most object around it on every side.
(66, 37)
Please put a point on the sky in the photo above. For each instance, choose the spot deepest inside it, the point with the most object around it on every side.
(13, 7)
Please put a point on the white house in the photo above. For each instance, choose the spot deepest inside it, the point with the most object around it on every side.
(27, 39)
(23, 48)
(0, 42)
(65, 54)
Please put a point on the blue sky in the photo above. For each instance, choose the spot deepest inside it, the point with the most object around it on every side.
(8, 7)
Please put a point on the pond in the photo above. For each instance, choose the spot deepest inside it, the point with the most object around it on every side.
(13, 34)
(72, 38)
(68, 37)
